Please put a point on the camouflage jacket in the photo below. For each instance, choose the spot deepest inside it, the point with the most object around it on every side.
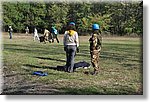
(95, 42)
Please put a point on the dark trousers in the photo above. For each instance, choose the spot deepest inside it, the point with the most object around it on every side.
(55, 37)
(10, 35)
(70, 55)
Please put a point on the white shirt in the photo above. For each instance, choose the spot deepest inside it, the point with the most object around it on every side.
(35, 31)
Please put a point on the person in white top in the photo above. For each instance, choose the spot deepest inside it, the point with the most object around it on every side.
(36, 34)
(71, 44)
(27, 30)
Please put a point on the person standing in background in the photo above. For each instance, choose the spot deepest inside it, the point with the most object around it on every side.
(27, 30)
(36, 36)
(10, 30)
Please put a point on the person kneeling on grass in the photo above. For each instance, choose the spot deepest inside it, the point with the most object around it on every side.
(95, 47)
(47, 36)
(71, 44)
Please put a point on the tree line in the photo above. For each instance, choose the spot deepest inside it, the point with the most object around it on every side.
(115, 18)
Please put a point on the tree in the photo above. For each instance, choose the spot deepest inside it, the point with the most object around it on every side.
(118, 18)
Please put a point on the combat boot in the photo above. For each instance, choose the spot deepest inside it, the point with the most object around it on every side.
(94, 73)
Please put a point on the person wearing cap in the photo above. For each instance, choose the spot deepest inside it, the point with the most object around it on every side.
(71, 44)
(10, 30)
(54, 33)
(95, 47)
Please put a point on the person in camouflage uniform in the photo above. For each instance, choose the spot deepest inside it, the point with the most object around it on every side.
(95, 47)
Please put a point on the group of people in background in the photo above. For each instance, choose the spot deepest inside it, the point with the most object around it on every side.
(51, 35)
(71, 44)
(48, 35)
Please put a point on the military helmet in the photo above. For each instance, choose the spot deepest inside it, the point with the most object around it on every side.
(72, 23)
(95, 26)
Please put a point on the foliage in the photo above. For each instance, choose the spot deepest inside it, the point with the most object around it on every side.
(114, 17)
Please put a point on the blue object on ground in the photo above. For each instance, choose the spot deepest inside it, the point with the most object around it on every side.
(40, 73)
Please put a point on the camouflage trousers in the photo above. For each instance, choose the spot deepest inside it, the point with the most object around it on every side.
(95, 60)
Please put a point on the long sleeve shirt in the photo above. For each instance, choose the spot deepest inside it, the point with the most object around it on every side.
(95, 42)
(35, 32)
(46, 32)
(71, 38)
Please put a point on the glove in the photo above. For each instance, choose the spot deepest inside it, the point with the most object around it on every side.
(77, 50)
(64, 48)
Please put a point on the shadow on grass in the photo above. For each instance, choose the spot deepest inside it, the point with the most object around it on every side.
(118, 57)
(101, 91)
(129, 61)
(31, 89)
(11, 75)
(77, 65)
(51, 59)
(58, 68)
(37, 89)
(30, 50)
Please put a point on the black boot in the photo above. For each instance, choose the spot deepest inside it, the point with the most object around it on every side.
(94, 73)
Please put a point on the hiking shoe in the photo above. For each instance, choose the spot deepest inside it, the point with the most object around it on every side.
(94, 73)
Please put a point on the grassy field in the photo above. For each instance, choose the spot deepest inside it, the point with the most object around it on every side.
(120, 61)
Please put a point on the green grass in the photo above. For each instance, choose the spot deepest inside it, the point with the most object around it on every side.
(120, 62)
